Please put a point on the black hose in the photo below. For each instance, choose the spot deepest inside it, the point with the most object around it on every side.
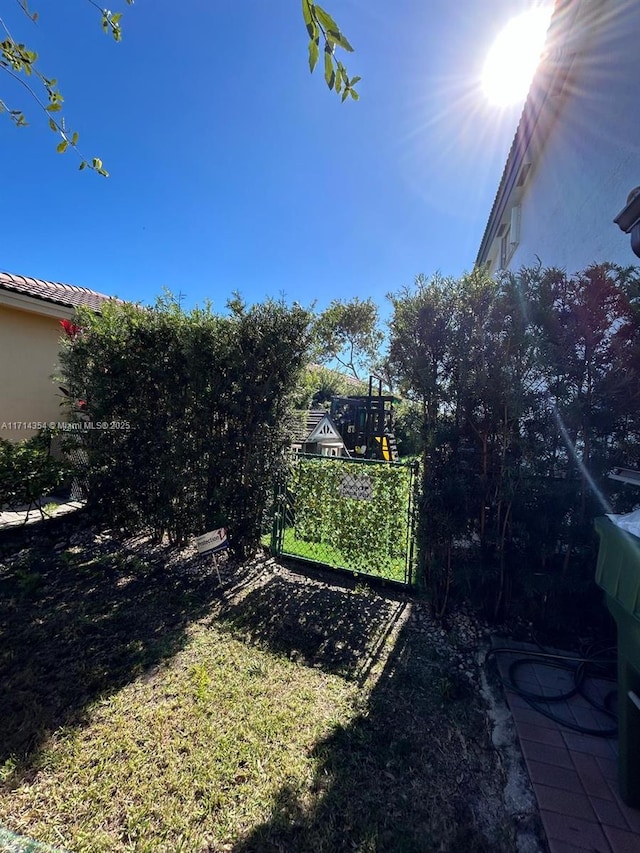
(581, 668)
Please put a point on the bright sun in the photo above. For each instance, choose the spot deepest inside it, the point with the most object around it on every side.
(514, 57)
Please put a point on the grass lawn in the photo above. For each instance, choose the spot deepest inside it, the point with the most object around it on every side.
(325, 552)
(145, 707)
(195, 752)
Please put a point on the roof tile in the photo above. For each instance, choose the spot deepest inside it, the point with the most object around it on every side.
(53, 291)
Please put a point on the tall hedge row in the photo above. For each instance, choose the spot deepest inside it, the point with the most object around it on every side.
(530, 393)
(183, 414)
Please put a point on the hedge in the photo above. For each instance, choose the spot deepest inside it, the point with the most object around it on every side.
(183, 415)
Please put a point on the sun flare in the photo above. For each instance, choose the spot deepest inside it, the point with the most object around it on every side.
(514, 56)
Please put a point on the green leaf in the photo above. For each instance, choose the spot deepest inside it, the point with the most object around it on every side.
(355, 80)
(340, 40)
(354, 95)
(314, 52)
(53, 108)
(97, 163)
(115, 18)
(312, 27)
(62, 146)
(75, 137)
(53, 125)
(329, 74)
(331, 29)
(325, 19)
(345, 94)
(83, 165)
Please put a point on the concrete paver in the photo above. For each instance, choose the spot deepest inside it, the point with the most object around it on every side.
(574, 775)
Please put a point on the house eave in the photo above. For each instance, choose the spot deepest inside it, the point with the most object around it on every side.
(530, 122)
(536, 118)
(35, 304)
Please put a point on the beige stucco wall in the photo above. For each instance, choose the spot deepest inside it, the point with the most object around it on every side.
(29, 345)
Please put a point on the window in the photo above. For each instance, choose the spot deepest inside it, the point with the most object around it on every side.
(505, 247)
(509, 234)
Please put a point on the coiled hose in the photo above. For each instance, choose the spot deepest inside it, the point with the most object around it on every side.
(592, 664)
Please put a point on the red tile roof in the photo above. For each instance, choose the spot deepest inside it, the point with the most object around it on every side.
(53, 291)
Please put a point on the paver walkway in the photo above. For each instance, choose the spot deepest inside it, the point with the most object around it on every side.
(573, 774)
(10, 518)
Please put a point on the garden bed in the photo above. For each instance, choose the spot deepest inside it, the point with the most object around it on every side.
(148, 707)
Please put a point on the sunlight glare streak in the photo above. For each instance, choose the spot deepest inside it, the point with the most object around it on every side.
(599, 494)
(571, 448)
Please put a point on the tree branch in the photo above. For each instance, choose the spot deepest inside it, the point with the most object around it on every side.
(18, 117)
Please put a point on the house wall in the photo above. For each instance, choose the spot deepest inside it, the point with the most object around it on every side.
(29, 345)
(581, 176)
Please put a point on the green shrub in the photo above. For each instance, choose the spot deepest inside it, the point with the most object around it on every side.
(28, 471)
(185, 413)
(529, 389)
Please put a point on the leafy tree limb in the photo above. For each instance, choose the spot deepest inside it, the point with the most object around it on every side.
(348, 333)
(319, 23)
(19, 62)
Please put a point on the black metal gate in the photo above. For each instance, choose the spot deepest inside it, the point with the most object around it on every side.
(353, 514)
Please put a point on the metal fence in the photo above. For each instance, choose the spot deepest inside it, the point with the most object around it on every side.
(353, 514)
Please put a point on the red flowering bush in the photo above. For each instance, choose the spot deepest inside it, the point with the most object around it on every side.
(70, 329)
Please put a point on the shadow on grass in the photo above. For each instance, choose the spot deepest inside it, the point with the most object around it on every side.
(338, 627)
(413, 773)
(74, 627)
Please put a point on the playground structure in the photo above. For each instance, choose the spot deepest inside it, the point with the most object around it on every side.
(365, 424)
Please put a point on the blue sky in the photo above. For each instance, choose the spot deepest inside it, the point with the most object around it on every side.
(233, 168)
